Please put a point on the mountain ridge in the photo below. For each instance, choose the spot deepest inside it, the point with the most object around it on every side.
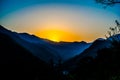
(46, 49)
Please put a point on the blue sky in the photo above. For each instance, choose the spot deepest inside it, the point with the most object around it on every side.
(85, 18)
(9, 6)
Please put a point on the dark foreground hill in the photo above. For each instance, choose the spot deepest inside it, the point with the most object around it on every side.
(17, 63)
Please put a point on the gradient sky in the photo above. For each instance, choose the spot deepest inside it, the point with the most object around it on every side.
(59, 20)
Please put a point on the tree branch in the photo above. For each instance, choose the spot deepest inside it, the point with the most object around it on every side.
(108, 2)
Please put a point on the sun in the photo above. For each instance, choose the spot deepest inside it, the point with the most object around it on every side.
(54, 36)
(58, 35)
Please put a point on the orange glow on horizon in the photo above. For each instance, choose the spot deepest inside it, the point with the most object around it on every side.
(58, 35)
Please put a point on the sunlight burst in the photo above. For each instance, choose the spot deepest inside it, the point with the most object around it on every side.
(58, 35)
(54, 36)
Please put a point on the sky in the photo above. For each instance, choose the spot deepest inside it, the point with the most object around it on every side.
(59, 20)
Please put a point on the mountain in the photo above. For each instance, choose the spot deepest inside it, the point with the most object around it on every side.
(29, 57)
(45, 49)
(63, 50)
(98, 62)
(70, 49)
(97, 45)
(91, 52)
(18, 63)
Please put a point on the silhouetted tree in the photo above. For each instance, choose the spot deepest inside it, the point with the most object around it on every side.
(108, 2)
(114, 30)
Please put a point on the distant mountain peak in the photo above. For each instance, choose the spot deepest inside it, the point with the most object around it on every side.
(100, 39)
(2, 28)
(24, 33)
(83, 42)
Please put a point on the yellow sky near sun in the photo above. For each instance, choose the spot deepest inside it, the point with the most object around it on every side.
(58, 35)
(61, 22)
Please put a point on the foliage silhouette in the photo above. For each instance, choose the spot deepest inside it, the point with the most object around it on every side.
(108, 2)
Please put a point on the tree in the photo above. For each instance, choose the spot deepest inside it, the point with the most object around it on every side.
(114, 30)
(108, 2)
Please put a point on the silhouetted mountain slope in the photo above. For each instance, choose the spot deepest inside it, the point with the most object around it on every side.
(36, 49)
(70, 49)
(104, 65)
(10, 50)
(61, 50)
(89, 52)
(27, 57)
(25, 53)
(46, 49)
(18, 63)
(97, 45)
